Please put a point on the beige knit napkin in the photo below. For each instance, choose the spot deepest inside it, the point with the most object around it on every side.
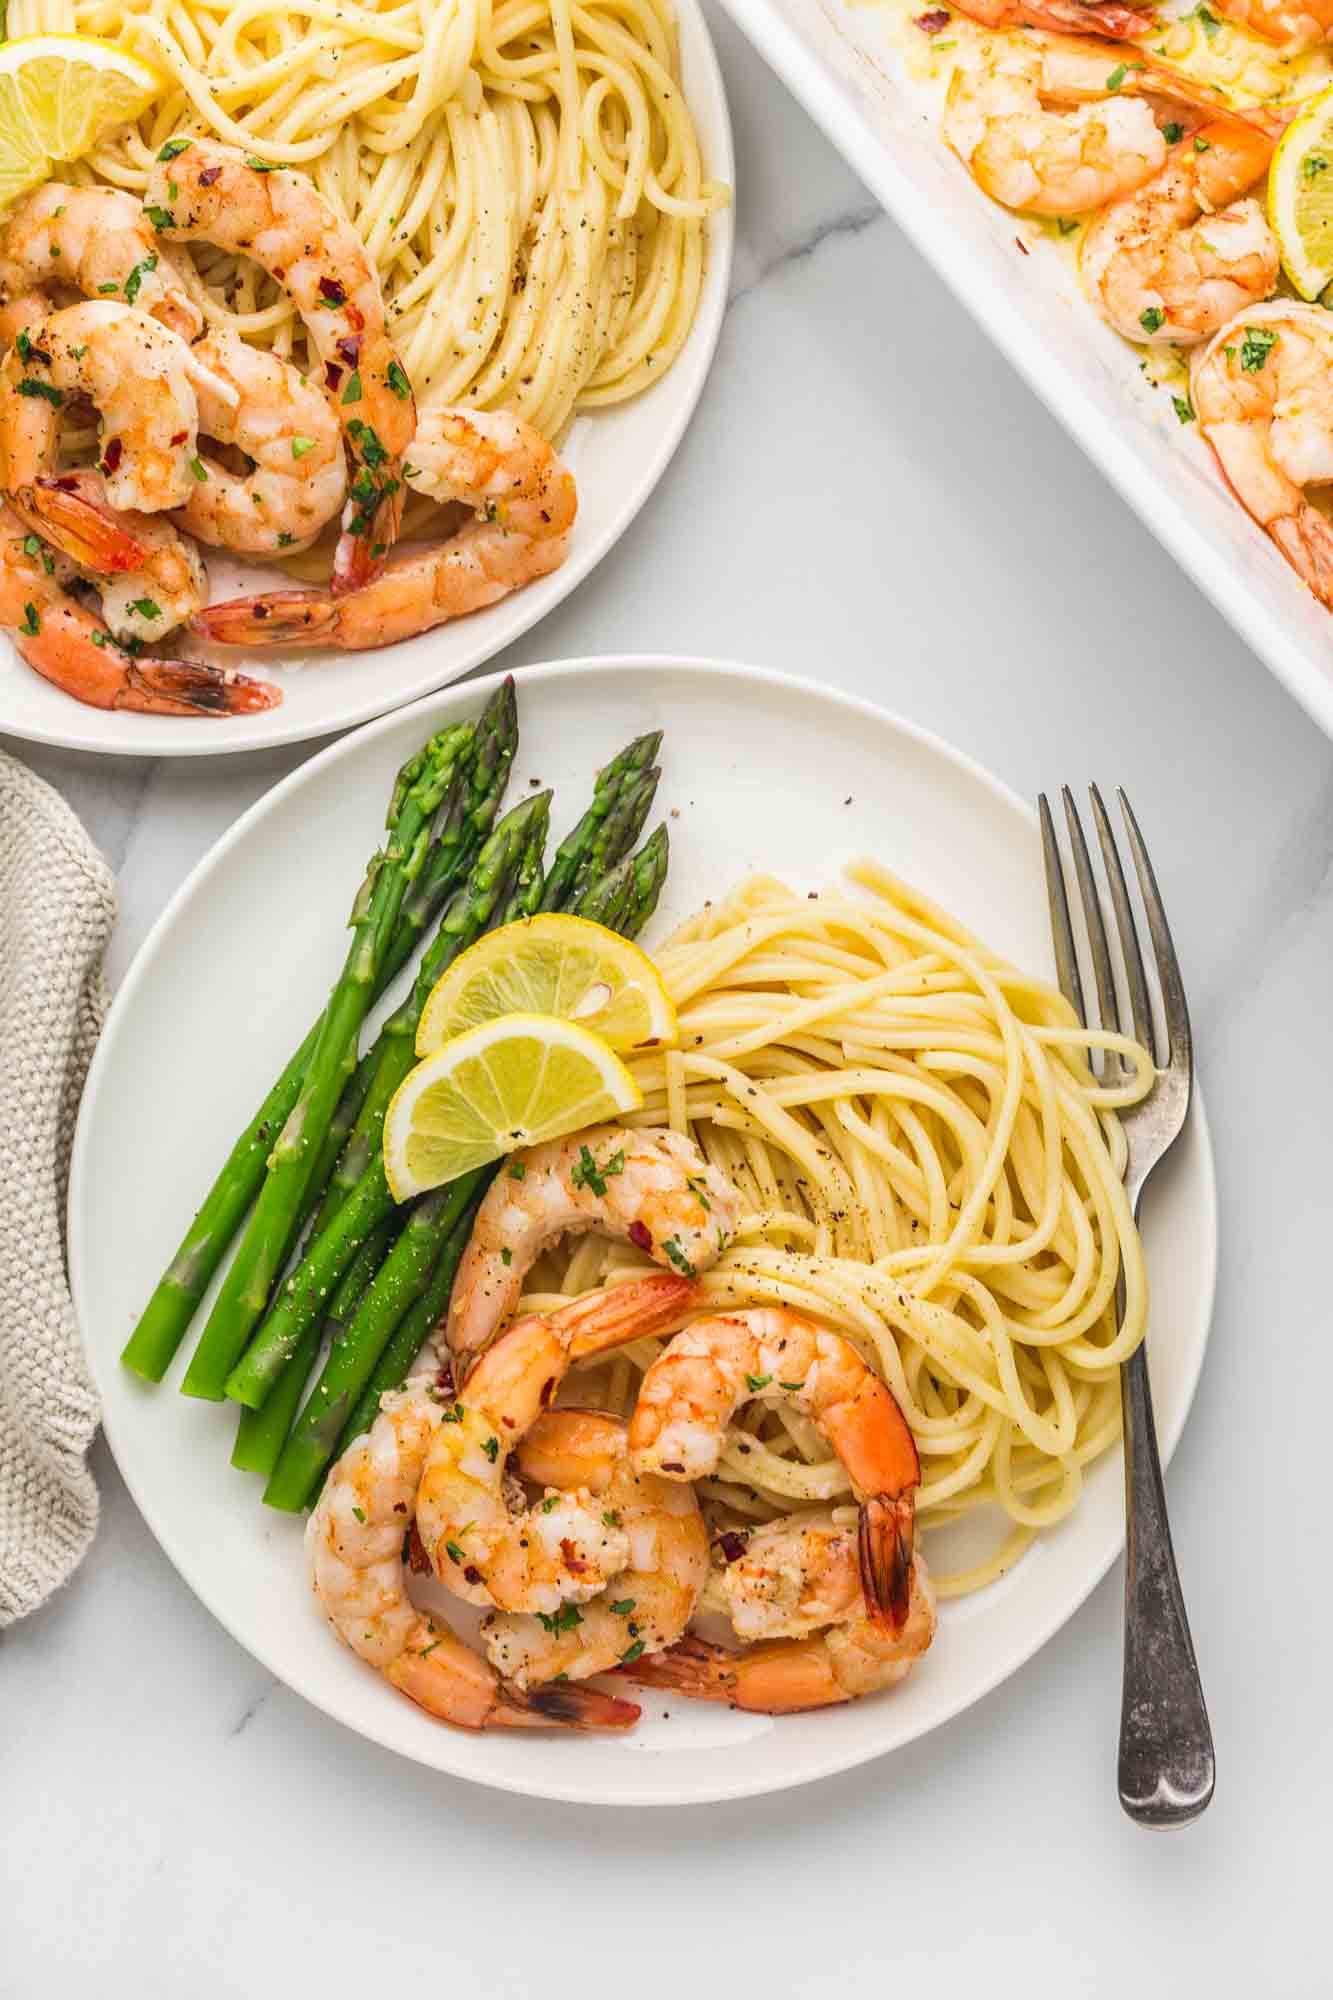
(57, 906)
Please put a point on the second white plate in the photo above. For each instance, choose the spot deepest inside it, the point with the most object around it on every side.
(760, 773)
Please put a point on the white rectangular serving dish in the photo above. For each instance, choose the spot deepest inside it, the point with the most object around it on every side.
(841, 63)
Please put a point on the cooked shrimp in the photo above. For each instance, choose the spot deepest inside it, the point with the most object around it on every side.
(355, 1547)
(655, 1188)
(694, 1388)
(140, 378)
(651, 1599)
(856, 1655)
(1061, 17)
(791, 1577)
(1059, 162)
(284, 426)
(494, 463)
(281, 220)
(1263, 394)
(100, 241)
(1300, 24)
(1175, 259)
(67, 646)
(487, 1549)
(149, 575)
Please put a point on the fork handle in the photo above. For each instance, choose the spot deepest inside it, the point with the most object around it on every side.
(1166, 1745)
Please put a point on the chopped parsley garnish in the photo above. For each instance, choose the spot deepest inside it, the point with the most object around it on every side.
(631, 1653)
(1202, 145)
(144, 607)
(492, 1449)
(173, 149)
(398, 382)
(622, 1607)
(1183, 408)
(791, 1387)
(137, 276)
(29, 386)
(678, 1257)
(1207, 20)
(32, 624)
(454, 1415)
(301, 445)
(1173, 133)
(1151, 318)
(611, 1518)
(112, 286)
(359, 1515)
(1067, 224)
(285, 538)
(24, 346)
(454, 1553)
(517, 1170)
(696, 1188)
(506, 1256)
(426, 1651)
(548, 1503)
(1117, 76)
(563, 1620)
(161, 218)
(352, 393)
(754, 1383)
(1256, 347)
(199, 469)
(588, 1174)
(259, 166)
(1312, 166)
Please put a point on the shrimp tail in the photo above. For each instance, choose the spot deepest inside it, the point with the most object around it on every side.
(884, 1546)
(88, 530)
(568, 1705)
(189, 687)
(693, 1667)
(279, 618)
(369, 530)
(643, 1307)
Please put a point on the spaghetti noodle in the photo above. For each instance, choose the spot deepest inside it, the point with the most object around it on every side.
(524, 174)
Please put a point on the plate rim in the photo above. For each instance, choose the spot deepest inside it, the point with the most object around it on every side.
(81, 734)
(470, 693)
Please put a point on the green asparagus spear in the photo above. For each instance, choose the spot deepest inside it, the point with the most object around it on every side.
(402, 1280)
(584, 850)
(480, 904)
(625, 898)
(268, 1233)
(464, 817)
(513, 847)
(261, 1434)
(391, 1370)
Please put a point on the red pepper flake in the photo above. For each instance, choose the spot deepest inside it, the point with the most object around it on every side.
(472, 1574)
(332, 293)
(639, 1236)
(112, 453)
(548, 1390)
(179, 437)
(209, 176)
(732, 1545)
(356, 319)
(332, 374)
(349, 346)
(417, 1559)
(444, 1378)
(931, 22)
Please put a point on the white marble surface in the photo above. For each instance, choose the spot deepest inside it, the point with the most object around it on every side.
(867, 496)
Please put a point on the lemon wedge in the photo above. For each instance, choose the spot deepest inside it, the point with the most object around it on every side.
(553, 964)
(58, 95)
(1300, 196)
(506, 1083)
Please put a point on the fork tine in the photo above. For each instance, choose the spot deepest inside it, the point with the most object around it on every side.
(1107, 1002)
(1179, 1042)
(1062, 931)
(1124, 917)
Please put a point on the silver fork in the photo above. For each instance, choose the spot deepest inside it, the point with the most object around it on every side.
(1166, 1768)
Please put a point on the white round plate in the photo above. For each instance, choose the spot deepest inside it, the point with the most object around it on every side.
(765, 773)
(617, 455)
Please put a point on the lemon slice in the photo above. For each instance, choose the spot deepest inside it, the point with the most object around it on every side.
(1300, 196)
(58, 95)
(506, 1083)
(553, 964)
